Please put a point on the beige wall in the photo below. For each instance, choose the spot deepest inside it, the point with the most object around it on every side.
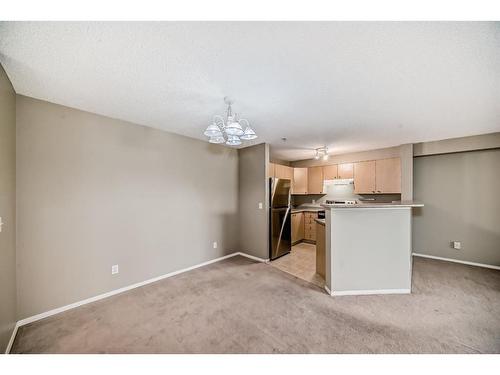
(462, 203)
(94, 191)
(406, 156)
(477, 142)
(253, 188)
(7, 209)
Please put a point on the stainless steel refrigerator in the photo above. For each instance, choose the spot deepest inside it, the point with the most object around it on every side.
(280, 222)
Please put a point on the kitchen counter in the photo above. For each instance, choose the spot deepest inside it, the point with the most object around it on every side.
(394, 204)
(368, 248)
(307, 209)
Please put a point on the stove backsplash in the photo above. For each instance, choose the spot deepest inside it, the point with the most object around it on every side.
(341, 192)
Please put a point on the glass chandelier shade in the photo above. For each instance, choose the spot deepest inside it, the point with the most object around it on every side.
(234, 128)
(233, 140)
(248, 134)
(229, 131)
(217, 139)
(213, 131)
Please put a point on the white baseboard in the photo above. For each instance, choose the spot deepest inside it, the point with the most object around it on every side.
(253, 257)
(58, 310)
(12, 337)
(456, 261)
(370, 292)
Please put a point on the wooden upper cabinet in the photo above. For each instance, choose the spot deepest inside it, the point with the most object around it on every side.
(315, 180)
(280, 171)
(345, 170)
(364, 177)
(299, 181)
(378, 176)
(270, 170)
(330, 172)
(388, 175)
(283, 171)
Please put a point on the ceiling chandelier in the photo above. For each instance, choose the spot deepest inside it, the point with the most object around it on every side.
(229, 130)
(321, 152)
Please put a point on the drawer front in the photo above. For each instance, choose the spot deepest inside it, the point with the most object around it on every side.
(309, 229)
(309, 217)
(310, 236)
(311, 226)
(310, 222)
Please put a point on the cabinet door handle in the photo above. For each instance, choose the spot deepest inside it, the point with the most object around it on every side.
(373, 191)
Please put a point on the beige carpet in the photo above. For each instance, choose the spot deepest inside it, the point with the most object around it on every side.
(239, 306)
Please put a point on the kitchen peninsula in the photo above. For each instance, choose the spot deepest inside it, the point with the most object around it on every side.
(368, 248)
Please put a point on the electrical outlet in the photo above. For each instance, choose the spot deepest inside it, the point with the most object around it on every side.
(457, 245)
(261, 206)
(214, 245)
(114, 269)
(1, 224)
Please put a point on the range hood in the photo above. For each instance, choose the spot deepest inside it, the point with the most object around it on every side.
(340, 181)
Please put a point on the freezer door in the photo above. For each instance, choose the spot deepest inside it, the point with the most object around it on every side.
(280, 192)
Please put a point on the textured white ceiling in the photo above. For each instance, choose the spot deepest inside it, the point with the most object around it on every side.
(349, 85)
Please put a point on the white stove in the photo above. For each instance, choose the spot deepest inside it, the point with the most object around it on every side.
(341, 202)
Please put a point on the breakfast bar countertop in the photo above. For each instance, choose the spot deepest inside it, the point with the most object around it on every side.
(307, 209)
(393, 204)
(320, 221)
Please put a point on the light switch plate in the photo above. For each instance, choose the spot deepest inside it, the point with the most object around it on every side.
(261, 206)
(457, 245)
(114, 269)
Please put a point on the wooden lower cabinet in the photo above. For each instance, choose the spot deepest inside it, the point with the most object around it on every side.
(310, 226)
(297, 227)
(304, 227)
(320, 250)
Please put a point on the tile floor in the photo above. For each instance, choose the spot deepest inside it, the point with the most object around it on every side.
(301, 262)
